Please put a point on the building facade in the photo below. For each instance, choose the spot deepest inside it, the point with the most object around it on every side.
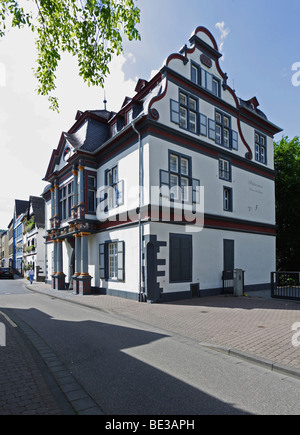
(33, 237)
(4, 256)
(20, 211)
(154, 202)
(11, 243)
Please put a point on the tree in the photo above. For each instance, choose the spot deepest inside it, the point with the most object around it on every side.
(91, 30)
(287, 167)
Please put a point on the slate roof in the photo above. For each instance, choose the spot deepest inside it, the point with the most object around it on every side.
(38, 210)
(21, 206)
(89, 136)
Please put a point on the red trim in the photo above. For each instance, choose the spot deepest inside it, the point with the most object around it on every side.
(238, 226)
(173, 137)
(207, 32)
(176, 56)
(154, 114)
(210, 222)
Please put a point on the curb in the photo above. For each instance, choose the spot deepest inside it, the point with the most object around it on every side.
(79, 400)
(250, 358)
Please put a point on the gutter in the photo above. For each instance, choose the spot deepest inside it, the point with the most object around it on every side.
(141, 175)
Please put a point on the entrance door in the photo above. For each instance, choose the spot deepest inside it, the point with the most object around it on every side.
(228, 258)
(228, 255)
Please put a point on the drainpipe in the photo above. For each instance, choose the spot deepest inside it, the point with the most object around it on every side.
(140, 205)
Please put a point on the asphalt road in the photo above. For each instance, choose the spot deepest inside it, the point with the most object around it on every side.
(132, 369)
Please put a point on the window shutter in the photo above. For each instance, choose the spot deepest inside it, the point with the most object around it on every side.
(209, 82)
(174, 111)
(235, 137)
(102, 260)
(164, 183)
(121, 261)
(196, 191)
(181, 258)
(212, 129)
(164, 178)
(203, 125)
(103, 199)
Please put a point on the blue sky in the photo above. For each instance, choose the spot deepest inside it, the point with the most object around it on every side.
(260, 44)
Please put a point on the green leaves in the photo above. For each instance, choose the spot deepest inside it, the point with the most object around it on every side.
(91, 30)
(287, 167)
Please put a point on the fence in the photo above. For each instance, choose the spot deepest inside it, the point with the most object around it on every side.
(227, 281)
(285, 285)
(228, 278)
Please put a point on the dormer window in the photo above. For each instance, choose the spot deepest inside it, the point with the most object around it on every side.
(129, 116)
(114, 129)
(67, 153)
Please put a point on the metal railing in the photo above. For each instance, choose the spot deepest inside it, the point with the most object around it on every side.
(285, 285)
(227, 282)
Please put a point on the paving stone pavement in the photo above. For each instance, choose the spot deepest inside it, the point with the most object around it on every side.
(24, 389)
(253, 326)
(32, 379)
(256, 328)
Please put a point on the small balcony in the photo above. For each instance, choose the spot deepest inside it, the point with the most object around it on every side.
(30, 249)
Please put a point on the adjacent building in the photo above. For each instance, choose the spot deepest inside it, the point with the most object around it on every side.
(33, 237)
(11, 243)
(20, 210)
(4, 256)
(156, 201)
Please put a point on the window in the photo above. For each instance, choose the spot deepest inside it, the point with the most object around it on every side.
(112, 181)
(181, 258)
(114, 129)
(179, 168)
(260, 148)
(179, 179)
(129, 116)
(223, 124)
(215, 86)
(195, 73)
(205, 79)
(112, 260)
(224, 169)
(219, 130)
(66, 201)
(188, 112)
(227, 199)
(91, 193)
(185, 112)
(112, 193)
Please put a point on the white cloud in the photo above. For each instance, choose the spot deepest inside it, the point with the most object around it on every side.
(116, 87)
(224, 32)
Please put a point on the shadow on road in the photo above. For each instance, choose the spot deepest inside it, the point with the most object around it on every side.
(94, 352)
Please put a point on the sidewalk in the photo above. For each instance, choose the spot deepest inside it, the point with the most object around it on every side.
(255, 327)
(23, 385)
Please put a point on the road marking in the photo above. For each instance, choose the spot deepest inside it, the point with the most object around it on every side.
(8, 319)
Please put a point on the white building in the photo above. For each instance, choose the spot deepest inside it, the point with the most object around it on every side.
(33, 237)
(156, 201)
